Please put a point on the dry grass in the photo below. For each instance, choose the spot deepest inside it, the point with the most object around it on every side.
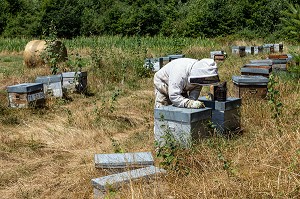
(48, 153)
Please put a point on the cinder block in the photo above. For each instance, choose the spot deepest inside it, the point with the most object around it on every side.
(25, 95)
(117, 180)
(186, 125)
(74, 81)
(52, 85)
(123, 160)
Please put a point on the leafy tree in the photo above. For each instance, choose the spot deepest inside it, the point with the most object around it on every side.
(291, 21)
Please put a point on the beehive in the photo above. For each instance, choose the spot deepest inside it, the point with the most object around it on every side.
(26, 95)
(52, 85)
(250, 86)
(256, 69)
(225, 115)
(74, 82)
(185, 125)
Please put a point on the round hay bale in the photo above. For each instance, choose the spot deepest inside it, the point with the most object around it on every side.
(37, 52)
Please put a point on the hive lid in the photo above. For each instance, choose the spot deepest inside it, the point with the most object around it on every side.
(25, 88)
(248, 79)
(48, 79)
(262, 61)
(229, 104)
(73, 74)
(256, 70)
(185, 115)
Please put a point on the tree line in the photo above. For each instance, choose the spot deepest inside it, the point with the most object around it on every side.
(176, 18)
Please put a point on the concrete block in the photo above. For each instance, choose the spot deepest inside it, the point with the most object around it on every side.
(98, 194)
(230, 103)
(185, 125)
(117, 180)
(52, 85)
(123, 160)
(74, 81)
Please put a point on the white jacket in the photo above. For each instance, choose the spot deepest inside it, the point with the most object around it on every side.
(172, 80)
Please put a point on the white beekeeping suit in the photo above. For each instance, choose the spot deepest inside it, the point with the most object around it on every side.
(179, 82)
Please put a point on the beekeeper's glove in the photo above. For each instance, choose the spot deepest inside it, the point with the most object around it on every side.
(195, 104)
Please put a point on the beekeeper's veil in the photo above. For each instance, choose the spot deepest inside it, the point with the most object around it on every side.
(203, 72)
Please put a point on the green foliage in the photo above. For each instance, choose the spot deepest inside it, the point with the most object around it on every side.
(167, 150)
(274, 97)
(291, 21)
(192, 18)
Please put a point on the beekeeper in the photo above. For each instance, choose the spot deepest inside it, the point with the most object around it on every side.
(180, 81)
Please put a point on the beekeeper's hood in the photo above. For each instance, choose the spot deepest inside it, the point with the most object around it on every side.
(203, 72)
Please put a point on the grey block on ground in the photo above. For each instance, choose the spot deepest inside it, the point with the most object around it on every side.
(25, 88)
(250, 80)
(230, 103)
(263, 71)
(123, 160)
(185, 115)
(117, 180)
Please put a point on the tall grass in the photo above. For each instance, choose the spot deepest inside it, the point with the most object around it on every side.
(48, 153)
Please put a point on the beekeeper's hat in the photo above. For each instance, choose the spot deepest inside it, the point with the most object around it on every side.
(204, 71)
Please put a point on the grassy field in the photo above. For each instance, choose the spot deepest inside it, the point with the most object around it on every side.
(49, 152)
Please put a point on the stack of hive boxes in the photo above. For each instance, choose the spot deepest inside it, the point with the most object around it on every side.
(255, 75)
(155, 64)
(53, 86)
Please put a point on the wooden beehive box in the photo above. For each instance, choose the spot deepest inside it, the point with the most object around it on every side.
(26, 95)
(250, 86)
(256, 69)
(74, 82)
(218, 55)
(52, 85)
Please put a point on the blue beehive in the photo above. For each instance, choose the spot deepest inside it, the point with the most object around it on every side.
(225, 114)
(26, 95)
(74, 82)
(52, 85)
(186, 125)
